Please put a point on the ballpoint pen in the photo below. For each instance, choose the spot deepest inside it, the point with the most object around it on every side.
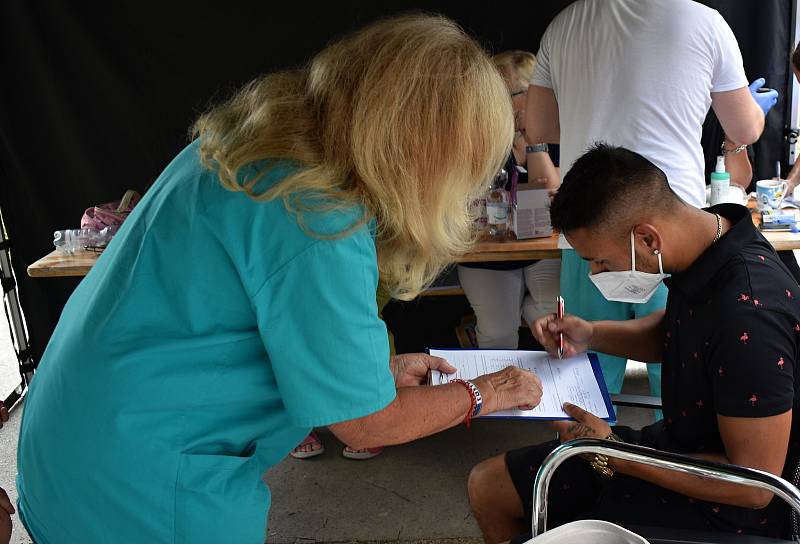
(560, 316)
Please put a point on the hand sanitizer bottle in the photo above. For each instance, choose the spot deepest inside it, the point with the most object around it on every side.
(720, 183)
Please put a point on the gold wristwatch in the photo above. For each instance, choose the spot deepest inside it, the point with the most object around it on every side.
(600, 462)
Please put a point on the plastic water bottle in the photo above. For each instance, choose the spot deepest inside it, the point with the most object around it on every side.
(720, 183)
(498, 204)
(477, 210)
(70, 240)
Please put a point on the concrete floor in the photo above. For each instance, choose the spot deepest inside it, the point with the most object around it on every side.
(8, 470)
(415, 492)
(412, 492)
(9, 380)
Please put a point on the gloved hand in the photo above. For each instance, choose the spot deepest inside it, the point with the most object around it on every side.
(764, 100)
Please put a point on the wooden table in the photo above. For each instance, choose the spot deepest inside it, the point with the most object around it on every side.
(55, 265)
(781, 240)
(514, 250)
(547, 248)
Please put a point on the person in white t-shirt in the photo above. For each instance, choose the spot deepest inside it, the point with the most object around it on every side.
(640, 74)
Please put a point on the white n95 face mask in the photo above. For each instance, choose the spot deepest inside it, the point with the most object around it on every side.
(630, 285)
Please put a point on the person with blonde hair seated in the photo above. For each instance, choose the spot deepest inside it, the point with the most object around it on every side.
(499, 292)
(235, 309)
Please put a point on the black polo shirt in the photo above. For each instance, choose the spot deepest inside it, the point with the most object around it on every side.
(732, 330)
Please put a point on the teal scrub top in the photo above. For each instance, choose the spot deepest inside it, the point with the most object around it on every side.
(211, 336)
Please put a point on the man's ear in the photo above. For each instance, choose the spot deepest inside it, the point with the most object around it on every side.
(647, 237)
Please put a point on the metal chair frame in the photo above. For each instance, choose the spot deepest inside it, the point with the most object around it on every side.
(671, 461)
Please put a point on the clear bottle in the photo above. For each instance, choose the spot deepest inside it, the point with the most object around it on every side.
(498, 205)
(477, 210)
(70, 240)
(720, 183)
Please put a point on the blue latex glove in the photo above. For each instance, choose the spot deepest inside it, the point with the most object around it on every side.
(764, 100)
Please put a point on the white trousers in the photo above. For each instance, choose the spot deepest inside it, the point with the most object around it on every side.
(499, 297)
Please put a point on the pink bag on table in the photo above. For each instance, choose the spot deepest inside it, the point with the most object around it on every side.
(110, 214)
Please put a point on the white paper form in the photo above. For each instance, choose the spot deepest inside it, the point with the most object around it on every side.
(569, 380)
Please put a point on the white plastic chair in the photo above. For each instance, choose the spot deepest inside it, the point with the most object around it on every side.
(588, 531)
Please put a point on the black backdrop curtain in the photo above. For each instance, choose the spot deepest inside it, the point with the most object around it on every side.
(98, 97)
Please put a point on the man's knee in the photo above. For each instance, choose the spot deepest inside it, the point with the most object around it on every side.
(482, 482)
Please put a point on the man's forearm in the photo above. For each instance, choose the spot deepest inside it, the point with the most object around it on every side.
(738, 165)
(793, 179)
(639, 339)
(697, 487)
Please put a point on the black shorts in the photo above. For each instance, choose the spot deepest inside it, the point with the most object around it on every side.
(578, 492)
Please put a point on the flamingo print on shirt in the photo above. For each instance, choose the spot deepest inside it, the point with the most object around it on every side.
(753, 399)
(744, 297)
(744, 337)
(781, 363)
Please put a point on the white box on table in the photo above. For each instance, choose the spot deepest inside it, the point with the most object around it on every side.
(531, 217)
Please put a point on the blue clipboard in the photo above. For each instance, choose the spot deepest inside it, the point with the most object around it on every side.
(598, 374)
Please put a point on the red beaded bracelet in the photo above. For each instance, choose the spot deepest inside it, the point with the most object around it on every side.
(475, 397)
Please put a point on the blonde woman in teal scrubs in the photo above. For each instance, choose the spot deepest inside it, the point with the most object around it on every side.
(235, 310)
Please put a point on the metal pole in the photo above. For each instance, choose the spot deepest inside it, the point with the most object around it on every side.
(19, 334)
(648, 456)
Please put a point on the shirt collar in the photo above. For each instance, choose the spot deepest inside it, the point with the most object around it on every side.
(694, 279)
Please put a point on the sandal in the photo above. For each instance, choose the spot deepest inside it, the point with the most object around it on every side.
(361, 455)
(311, 446)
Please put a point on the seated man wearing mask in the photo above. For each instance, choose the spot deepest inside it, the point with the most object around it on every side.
(728, 344)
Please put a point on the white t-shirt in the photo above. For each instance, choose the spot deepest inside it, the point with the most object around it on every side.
(639, 74)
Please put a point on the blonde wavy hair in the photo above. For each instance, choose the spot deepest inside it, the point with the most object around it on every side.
(516, 67)
(407, 119)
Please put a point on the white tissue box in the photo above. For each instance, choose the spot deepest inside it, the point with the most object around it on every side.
(531, 217)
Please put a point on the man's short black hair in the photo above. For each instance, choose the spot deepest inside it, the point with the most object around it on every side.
(612, 187)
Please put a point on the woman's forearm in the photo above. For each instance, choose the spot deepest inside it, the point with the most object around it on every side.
(541, 169)
(639, 339)
(416, 412)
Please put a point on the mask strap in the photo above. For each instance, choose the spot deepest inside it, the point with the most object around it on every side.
(633, 255)
(633, 258)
